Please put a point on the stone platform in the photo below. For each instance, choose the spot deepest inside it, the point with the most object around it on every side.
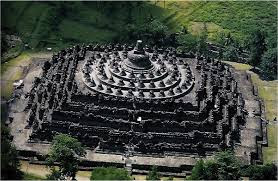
(191, 109)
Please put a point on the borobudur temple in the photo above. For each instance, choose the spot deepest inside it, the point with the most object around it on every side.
(146, 102)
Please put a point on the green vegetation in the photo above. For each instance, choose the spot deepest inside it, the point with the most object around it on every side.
(8, 50)
(13, 70)
(225, 166)
(240, 18)
(268, 65)
(260, 172)
(43, 24)
(187, 42)
(29, 176)
(9, 161)
(50, 24)
(65, 150)
(21, 59)
(268, 92)
(239, 66)
(257, 47)
(110, 173)
(153, 174)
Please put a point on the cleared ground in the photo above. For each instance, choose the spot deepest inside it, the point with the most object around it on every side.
(14, 70)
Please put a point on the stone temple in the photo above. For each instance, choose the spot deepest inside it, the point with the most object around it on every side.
(145, 102)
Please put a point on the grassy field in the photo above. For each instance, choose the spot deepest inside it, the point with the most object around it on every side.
(40, 24)
(268, 92)
(238, 17)
(29, 176)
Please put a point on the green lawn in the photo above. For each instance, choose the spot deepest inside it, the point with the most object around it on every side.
(30, 176)
(239, 66)
(268, 92)
(22, 58)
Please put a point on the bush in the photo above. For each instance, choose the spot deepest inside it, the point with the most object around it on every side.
(257, 47)
(224, 166)
(9, 161)
(269, 64)
(187, 42)
(153, 174)
(198, 171)
(110, 173)
(261, 172)
(151, 32)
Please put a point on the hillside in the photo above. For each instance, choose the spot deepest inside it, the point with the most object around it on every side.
(59, 24)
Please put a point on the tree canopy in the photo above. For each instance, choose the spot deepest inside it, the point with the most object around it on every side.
(153, 174)
(152, 32)
(65, 150)
(202, 46)
(269, 64)
(187, 42)
(257, 47)
(9, 161)
(261, 172)
(225, 166)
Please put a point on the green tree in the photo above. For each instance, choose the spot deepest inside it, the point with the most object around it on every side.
(65, 150)
(202, 46)
(260, 172)
(157, 30)
(230, 53)
(9, 161)
(198, 171)
(211, 170)
(4, 43)
(269, 64)
(153, 174)
(110, 173)
(54, 175)
(257, 47)
(224, 166)
(228, 165)
(187, 42)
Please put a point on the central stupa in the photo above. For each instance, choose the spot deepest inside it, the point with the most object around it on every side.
(138, 72)
(137, 59)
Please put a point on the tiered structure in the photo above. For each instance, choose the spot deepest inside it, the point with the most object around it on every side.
(134, 74)
(138, 99)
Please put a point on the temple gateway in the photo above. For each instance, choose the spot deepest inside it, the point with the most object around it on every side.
(139, 106)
